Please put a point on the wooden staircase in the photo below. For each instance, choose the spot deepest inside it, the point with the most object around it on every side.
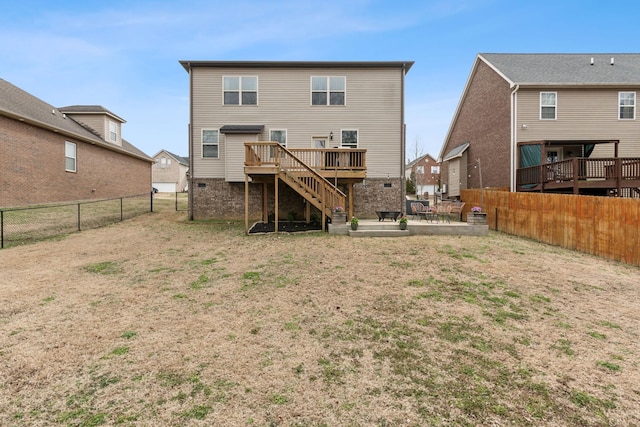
(312, 186)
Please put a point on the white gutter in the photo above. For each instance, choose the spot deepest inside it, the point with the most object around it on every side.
(514, 136)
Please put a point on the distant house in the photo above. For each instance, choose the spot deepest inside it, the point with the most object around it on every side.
(170, 172)
(296, 138)
(50, 154)
(547, 122)
(426, 172)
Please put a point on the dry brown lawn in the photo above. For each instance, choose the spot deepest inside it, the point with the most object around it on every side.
(158, 321)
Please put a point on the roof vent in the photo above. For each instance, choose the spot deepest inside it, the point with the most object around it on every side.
(53, 112)
(611, 61)
(591, 60)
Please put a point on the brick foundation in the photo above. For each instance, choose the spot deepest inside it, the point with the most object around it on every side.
(218, 199)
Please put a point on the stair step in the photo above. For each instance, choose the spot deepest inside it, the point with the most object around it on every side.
(379, 233)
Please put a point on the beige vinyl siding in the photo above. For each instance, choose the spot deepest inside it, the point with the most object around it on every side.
(581, 114)
(454, 178)
(100, 123)
(234, 155)
(373, 107)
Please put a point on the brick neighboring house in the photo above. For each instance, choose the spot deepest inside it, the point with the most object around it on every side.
(532, 110)
(344, 120)
(50, 154)
(169, 174)
(426, 171)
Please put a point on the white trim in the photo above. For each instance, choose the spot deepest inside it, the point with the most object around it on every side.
(202, 143)
(68, 144)
(327, 91)
(635, 105)
(240, 90)
(113, 129)
(555, 106)
(286, 136)
(357, 131)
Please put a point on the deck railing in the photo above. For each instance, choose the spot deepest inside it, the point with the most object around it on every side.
(324, 194)
(332, 158)
(580, 168)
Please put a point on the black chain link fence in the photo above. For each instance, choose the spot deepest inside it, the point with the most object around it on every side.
(24, 225)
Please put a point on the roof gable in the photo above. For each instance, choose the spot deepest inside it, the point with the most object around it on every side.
(179, 159)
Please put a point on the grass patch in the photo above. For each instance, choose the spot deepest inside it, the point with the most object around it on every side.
(105, 267)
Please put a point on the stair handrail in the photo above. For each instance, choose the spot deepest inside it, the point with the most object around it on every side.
(287, 162)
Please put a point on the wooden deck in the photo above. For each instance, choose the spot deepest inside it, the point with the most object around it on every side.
(345, 164)
(581, 175)
(314, 174)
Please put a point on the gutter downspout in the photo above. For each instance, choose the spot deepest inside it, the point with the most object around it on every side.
(514, 136)
(190, 139)
(403, 136)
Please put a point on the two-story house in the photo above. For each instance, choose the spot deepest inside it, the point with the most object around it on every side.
(547, 122)
(169, 174)
(425, 172)
(50, 154)
(272, 138)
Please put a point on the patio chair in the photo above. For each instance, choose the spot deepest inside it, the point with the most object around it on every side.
(456, 210)
(418, 209)
(444, 212)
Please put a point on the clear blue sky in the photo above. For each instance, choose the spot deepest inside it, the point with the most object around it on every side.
(123, 54)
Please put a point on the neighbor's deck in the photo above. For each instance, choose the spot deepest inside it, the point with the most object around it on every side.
(580, 175)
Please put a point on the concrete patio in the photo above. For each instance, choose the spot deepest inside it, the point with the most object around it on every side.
(388, 228)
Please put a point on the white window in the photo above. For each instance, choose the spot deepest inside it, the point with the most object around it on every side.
(70, 156)
(548, 104)
(435, 169)
(279, 135)
(328, 90)
(240, 90)
(627, 105)
(420, 170)
(113, 131)
(349, 138)
(163, 163)
(210, 145)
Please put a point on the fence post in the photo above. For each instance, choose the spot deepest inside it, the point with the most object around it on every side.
(78, 216)
(121, 217)
(176, 201)
(1, 229)
(151, 203)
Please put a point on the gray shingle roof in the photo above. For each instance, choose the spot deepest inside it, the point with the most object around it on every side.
(183, 160)
(567, 69)
(89, 109)
(21, 105)
(456, 152)
(241, 129)
(187, 65)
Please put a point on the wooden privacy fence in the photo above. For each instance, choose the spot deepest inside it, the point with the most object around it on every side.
(607, 227)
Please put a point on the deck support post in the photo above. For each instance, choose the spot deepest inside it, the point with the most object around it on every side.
(351, 210)
(265, 202)
(275, 218)
(246, 204)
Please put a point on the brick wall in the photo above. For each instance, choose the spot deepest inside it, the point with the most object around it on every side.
(484, 121)
(32, 161)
